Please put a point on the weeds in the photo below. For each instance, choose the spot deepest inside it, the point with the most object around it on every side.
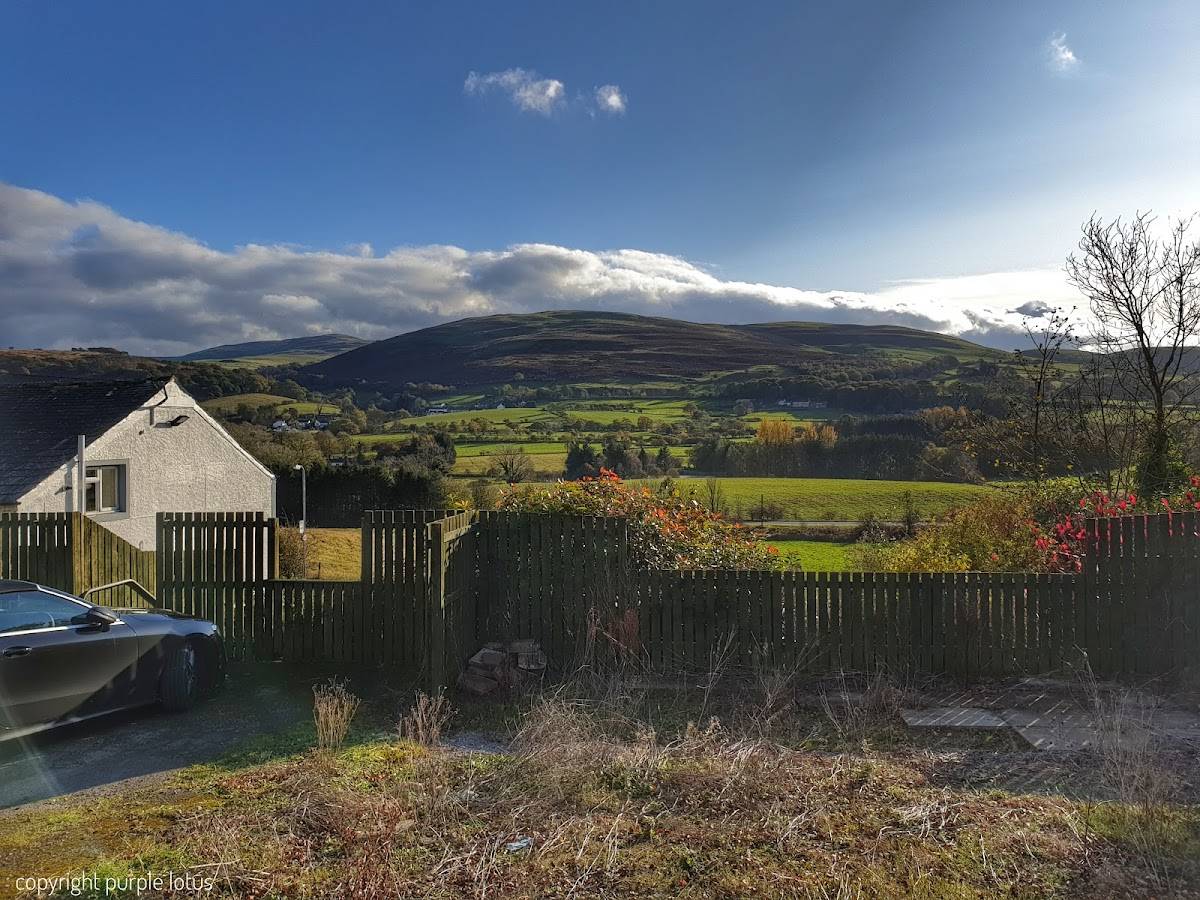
(426, 719)
(854, 715)
(594, 801)
(333, 711)
(1138, 772)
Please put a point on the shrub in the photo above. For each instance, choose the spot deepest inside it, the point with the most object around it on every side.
(991, 534)
(291, 553)
(1040, 528)
(426, 719)
(666, 531)
(333, 711)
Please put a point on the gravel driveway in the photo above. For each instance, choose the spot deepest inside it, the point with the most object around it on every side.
(256, 700)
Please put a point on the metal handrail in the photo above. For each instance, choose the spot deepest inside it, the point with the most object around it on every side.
(131, 582)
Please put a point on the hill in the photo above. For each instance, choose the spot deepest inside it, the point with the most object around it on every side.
(594, 346)
(203, 380)
(300, 350)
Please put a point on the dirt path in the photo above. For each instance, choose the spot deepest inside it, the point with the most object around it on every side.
(257, 701)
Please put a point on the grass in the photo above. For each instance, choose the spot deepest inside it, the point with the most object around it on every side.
(841, 499)
(233, 401)
(335, 554)
(819, 556)
(271, 359)
(607, 412)
(468, 449)
(608, 790)
(543, 464)
(229, 404)
(512, 414)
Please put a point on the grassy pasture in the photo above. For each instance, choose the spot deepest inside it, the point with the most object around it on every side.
(271, 359)
(224, 405)
(543, 463)
(818, 556)
(335, 554)
(791, 415)
(491, 448)
(840, 499)
(514, 415)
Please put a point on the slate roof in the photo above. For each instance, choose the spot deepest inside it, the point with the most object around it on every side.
(40, 423)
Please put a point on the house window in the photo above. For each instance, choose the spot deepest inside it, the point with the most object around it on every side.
(104, 489)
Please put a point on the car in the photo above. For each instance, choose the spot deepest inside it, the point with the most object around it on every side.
(63, 659)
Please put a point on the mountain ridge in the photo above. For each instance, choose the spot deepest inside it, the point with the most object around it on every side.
(600, 346)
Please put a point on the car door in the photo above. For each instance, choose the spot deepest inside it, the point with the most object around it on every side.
(51, 667)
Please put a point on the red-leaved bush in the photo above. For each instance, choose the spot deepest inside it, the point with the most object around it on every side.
(666, 531)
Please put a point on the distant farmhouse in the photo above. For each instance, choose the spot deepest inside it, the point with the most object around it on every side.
(803, 404)
(148, 447)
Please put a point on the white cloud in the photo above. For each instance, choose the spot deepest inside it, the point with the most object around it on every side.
(1062, 58)
(526, 89)
(81, 274)
(610, 99)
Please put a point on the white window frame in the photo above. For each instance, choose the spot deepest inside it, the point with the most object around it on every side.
(94, 475)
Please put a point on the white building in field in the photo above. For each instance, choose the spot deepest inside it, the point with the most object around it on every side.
(148, 447)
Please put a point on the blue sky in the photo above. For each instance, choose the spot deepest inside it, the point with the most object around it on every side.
(860, 148)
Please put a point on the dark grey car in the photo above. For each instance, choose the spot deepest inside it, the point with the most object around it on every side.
(63, 659)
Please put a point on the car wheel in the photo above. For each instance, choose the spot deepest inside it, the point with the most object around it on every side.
(180, 685)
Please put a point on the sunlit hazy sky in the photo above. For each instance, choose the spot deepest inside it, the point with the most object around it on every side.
(175, 175)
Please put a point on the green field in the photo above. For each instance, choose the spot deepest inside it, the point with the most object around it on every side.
(792, 415)
(606, 412)
(515, 414)
(543, 464)
(229, 404)
(819, 556)
(548, 457)
(272, 359)
(491, 448)
(840, 499)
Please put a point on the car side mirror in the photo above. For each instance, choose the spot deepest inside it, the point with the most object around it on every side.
(95, 617)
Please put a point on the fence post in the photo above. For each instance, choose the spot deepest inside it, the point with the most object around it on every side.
(435, 602)
(75, 545)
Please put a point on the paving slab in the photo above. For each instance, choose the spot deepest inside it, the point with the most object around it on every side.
(952, 717)
(1059, 729)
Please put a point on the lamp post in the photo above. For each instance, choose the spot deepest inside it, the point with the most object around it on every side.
(303, 514)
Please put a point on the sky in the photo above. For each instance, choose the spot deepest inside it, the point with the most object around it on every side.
(174, 176)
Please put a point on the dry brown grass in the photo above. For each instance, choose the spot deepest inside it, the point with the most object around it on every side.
(426, 719)
(594, 801)
(334, 708)
(854, 714)
(1145, 779)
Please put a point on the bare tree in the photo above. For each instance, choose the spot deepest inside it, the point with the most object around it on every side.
(1144, 293)
(1038, 409)
(513, 465)
(714, 495)
(1034, 438)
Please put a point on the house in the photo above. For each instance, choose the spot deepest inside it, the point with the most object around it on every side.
(803, 404)
(148, 447)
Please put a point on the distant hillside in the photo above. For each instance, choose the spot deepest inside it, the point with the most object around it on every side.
(203, 380)
(593, 346)
(289, 350)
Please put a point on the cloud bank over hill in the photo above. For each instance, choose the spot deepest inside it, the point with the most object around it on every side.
(80, 274)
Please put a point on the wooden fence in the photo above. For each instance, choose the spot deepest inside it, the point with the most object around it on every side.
(436, 585)
(1134, 609)
(73, 553)
(217, 566)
